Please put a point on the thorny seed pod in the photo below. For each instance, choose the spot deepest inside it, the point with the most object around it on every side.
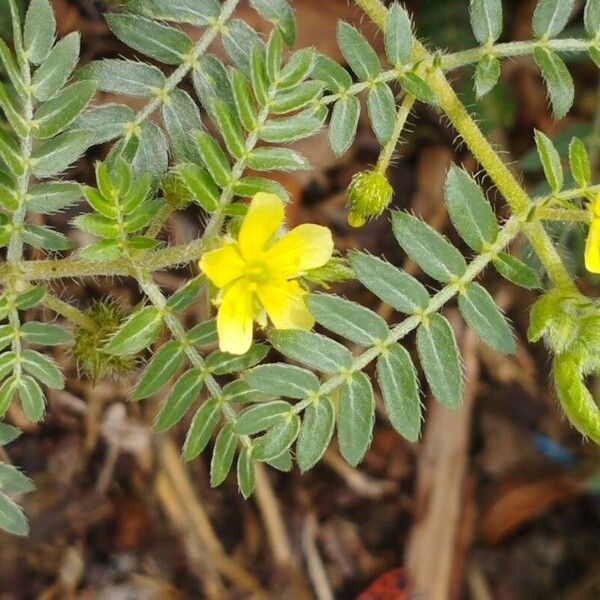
(369, 194)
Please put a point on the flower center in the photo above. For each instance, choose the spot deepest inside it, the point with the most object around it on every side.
(257, 271)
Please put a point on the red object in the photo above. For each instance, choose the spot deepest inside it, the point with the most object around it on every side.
(392, 585)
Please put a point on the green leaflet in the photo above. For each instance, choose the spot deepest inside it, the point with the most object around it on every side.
(214, 159)
(355, 417)
(161, 368)
(514, 270)
(222, 457)
(277, 159)
(470, 211)
(32, 399)
(185, 392)
(56, 69)
(181, 117)
(558, 80)
(398, 381)
(125, 77)
(344, 122)
(395, 287)
(203, 425)
(440, 360)
(45, 334)
(261, 417)
(551, 16)
(222, 363)
(201, 185)
(280, 13)
(487, 74)
(551, 162)
(311, 349)
(246, 473)
(335, 77)
(382, 111)
(591, 17)
(57, 154)
(43, 368)
(277, 439)
(239, 42)
(107, 121)
(194, 12)
(39, 31)
(398, 35)
(348, 319)
(163, 43)
(289, 130)
(580, 163)
(486, 19)
(315, 433)
(280, 379)
(12, 519)
(137, 333)
(481, 313)
(359, 54)
(428, 248)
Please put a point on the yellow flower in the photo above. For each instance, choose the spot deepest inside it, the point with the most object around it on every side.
(592, 246)
(258, 274)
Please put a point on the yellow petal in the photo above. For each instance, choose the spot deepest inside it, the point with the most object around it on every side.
(285, 304)
(592, 248)
(305, 247)
(223, 266)
(261, 224)
(234, 320)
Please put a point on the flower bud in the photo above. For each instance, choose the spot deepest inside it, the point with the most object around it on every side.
(108, 316)
(369, 194)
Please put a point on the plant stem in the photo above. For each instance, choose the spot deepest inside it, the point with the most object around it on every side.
(64, 309)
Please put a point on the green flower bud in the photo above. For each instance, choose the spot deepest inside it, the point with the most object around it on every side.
(108, 316)
(369, 194)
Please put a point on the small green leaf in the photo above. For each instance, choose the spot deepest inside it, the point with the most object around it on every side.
(418, 87)
(214, 158)
(355, 418)
(400, 388)
(30, 298)
(348, 319)
(187, 295)
(203, 334)
(48, 198)
(440, 360)
(239, 42)
(98, 225)
(469, 209)
(32, 399)
(58, 113)
(43, 368)
(261, 417)
(230, 129)
(289, 130)
(203, 426)
(194, 12)
(514, 270)
(163, 365)
(13, 70)
(428, 248)
(558, 80)
(398, 35)
(282, 463)
(258, 75)
(296, 98)
(580, 163)
(223, 454)
(551, 16)
(107, 121)
(240, 392)
(315, 433)
(138, 332)
(486, 20)
(222, 363)
(246, 473)
(45, 334)
(42, 237)
(7, 389)
(247, 187)
(211, 81)
(481, 313)
(297, 69)
(181, 117)
(382, 111)
(201, 185)
(152, 155)
(244, 102)
(335, 77)
(487, 73)
(359, 54)
(39, 31)
(163, 43)
(311, 349)
(280, 379)
(277, 159)
(12, 481)
(12, 519)
(10, 154)
(57, 154)
(185, 392)
(274, 56)
(591, 18)
(8, 434)
(56, 68)
(551, 162)
(125, 77)
(280, 13)
(278, 439)
(395, 287)
(344, 122)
